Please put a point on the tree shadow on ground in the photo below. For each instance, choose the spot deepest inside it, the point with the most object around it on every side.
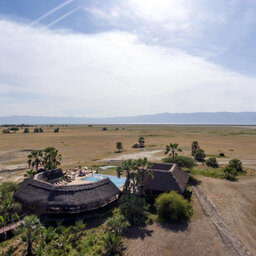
(175, 227)
(137, 232)
(193, 181)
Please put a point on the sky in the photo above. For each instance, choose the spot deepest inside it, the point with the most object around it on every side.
(92, 58)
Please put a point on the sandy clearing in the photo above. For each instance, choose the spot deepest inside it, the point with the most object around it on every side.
(247, 163)
(230, 242)
(236, 202)
(198, 238)
(151, 155)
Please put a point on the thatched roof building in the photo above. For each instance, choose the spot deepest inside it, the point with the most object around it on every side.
(166, 177)
(39, 195)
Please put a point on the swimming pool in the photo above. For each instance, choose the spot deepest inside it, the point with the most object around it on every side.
(119, 182)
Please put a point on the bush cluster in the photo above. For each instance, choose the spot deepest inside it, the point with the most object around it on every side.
(212, 162)
(172, 207)
(134, 209)
(182, 161)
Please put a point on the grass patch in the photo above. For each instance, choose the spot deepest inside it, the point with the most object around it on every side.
(209, 172)
(151, 146)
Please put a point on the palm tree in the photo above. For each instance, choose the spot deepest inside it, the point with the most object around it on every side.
(171, 150)
(135, 172)
(9, 208)
(35, 159)
(113, 245)
(141, 142)
(29, 173)
(31, 228)
(51, 158)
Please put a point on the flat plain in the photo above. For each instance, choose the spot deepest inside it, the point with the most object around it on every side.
(84, 145)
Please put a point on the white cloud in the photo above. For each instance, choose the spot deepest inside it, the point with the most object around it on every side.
(109, 74)
(160, 10)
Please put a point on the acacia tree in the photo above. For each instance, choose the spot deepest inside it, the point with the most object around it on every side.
(35, 159)
(119, 146)
(172, 150)
(135, 171)
(141, 142)
(30, 229)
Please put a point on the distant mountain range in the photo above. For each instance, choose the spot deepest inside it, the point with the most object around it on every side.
(223, 118)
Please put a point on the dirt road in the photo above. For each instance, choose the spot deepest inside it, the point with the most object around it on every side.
(232, 245)
(154, 155)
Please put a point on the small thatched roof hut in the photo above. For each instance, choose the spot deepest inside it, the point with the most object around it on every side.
(39, 195)
(166, 177)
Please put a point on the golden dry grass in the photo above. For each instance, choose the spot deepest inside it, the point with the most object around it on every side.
(83, 144)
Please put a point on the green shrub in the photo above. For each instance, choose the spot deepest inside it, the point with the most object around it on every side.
(113, 245)
(182, 161)
(104, 128)
(134, 209)
(57, 130)
(199, 155)
(221, 154)
(217, 173)
(230, 173)
(236, 164)
(26, 130)
(117, 223)
(172, 207)
(36, 130)
(212, 162)
(136, 145)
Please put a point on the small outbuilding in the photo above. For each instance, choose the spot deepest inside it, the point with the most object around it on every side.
(165, 178)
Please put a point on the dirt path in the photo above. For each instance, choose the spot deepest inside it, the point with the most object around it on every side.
(154, 155)
(247, 163)
(233, 246)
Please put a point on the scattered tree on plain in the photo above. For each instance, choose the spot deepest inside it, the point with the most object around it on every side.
(141, 142)
(171, 150)
(212, 162)
(26, 130)
(200, 155)
(194, 147)
(236, 164)
(119, 146)
(230, 173)
(56, 130)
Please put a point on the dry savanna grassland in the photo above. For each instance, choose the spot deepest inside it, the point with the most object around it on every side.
(91, 146)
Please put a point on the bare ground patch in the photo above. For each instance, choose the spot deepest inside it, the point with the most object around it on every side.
(198, 238)
(235, 202)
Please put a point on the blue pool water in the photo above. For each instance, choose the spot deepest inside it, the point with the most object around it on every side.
(119, 182)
